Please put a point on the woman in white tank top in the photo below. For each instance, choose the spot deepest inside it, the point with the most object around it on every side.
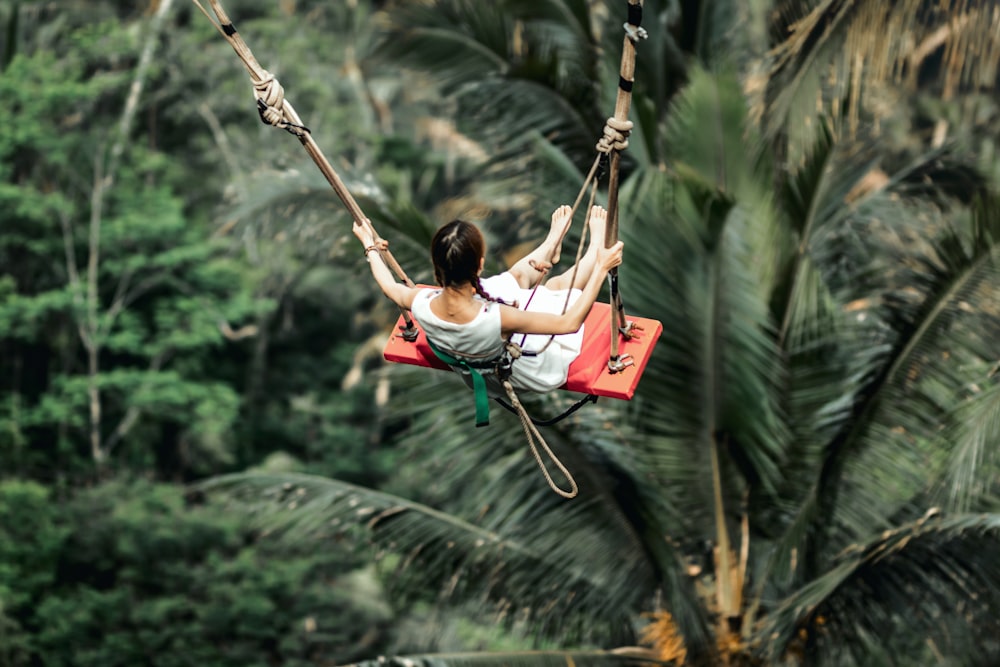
(469, 318)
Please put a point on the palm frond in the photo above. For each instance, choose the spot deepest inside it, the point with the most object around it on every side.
(458, 40)
(971, 467)
(813, 200)
(520, 559)
(496, 61)
(826, 201)
(937, 577)
(616, 524)
(488, 477)
(732, 33)
(294, 207)
(942, 344)
(714, 372)
(520, 110)
(516, 659)
(849, 58)
(918, 344)
(708, 134)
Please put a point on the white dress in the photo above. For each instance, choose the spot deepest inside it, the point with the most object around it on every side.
(480, 339)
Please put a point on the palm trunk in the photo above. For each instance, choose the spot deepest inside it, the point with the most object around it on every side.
(724, 589)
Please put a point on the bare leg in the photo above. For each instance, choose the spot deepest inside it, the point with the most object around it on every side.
(546, 254)
(597, 222)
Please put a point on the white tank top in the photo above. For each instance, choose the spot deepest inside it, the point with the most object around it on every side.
(481, 338)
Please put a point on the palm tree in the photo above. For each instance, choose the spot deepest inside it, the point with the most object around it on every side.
(806, 475)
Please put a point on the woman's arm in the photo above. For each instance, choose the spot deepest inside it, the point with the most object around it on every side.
(398, 293)
(513, 320)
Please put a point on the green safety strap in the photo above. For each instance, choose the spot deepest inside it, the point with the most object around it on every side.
(478, 384)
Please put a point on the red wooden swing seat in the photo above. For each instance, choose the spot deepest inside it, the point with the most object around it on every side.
(588, 374)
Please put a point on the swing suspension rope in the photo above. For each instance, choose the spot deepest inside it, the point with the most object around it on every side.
(274, 109)
(609, 147)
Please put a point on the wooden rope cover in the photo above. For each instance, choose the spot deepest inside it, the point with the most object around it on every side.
(620, 124)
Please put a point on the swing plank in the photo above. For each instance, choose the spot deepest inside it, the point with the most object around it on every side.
(588, 374)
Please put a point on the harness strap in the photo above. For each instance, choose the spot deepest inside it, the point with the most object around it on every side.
(478, 383)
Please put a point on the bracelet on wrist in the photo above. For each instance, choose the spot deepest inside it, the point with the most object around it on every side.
(368, 250)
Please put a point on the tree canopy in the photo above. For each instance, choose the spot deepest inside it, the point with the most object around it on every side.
(203, 458)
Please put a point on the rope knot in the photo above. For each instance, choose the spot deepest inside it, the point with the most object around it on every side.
(270, 96)
(514, 350)
(615, 135)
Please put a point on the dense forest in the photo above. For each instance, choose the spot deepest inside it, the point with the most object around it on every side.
(204, 459)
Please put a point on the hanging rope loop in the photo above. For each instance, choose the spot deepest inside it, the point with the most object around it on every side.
(535, 440)
(615, 135)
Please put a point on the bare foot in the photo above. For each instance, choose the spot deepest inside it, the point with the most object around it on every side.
(597, 223)
(561, 220)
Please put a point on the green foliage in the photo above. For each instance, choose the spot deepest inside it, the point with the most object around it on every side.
(826, 378)
(131, 573)
(210, 351)
(153, 306)
(30, 543)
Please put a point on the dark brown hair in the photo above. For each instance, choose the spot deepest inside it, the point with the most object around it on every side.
(456, 251)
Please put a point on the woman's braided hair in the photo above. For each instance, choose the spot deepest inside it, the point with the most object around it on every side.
(456, 251)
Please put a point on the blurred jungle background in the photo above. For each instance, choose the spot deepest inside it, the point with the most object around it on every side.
(205, 461)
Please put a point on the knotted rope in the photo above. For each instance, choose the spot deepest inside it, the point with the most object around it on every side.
(270, 96)
(276, 110)
(615, 135)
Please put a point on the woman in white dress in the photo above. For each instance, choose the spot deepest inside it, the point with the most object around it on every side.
(469, 319)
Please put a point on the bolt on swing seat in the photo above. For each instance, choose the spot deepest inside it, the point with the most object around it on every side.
(589, 372)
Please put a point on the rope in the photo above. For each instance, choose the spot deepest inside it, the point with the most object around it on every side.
(619, 125)
(589, 398)
(590, 179)
(534, 440)
(276, 110)
(615, 135)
